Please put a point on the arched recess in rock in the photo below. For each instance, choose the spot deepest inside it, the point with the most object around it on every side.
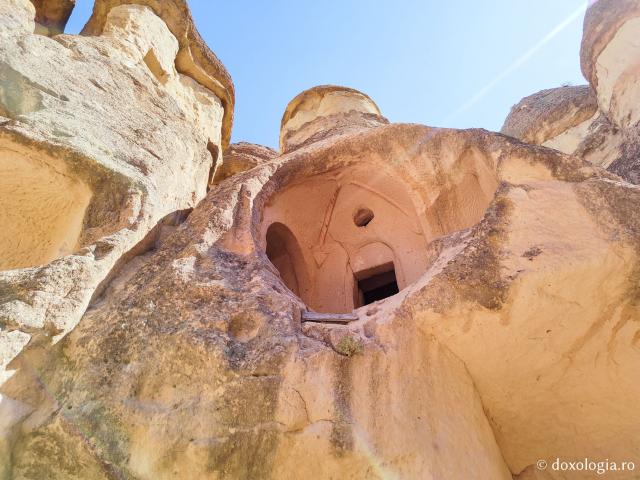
(42, 207)
(333, 217)
(402, 200)
(283, 250)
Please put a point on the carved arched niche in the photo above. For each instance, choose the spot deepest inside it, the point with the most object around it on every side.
(358, 233)
(332, 235)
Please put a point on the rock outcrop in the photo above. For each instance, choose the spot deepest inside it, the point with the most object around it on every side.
(52, 15)
(193, 59)
(326, 110)
(375, 300)
(566, 118)
(610, 58)
(100, 139)
(240, 157)
(557, 118)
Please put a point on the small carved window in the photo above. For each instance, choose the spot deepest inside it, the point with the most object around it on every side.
(362, 217)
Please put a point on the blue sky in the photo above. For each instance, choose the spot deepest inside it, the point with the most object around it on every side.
(459, 64)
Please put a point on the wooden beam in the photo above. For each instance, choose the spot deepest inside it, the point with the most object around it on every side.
(329, 317)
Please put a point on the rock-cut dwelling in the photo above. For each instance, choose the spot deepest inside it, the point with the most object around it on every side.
(358, 232)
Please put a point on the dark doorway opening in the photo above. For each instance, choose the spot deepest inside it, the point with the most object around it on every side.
(376, 284)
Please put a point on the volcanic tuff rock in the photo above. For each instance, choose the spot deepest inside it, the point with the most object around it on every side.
(565, 118)
(193, 59)
(610, 58)
(153, 330)
(52, 15)
(100, 139)
(242, 156)
(326, 110)
(542, 117)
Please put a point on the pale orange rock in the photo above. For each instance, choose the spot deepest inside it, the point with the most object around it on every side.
(239, 157)
(544, 116)
(478, 292)
(567, 119)
(194, 59)
(610, 58)
(52, 15)
(326, 110)
(80, 192)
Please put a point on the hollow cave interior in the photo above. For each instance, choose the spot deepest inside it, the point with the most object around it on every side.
(356, 235)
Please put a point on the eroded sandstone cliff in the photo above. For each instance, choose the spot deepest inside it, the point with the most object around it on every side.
(373, 301)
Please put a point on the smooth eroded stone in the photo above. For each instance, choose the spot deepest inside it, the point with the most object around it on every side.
(557, 115)
(325, 111)
(16, 17)
(240, 157)
(100, 139)
(610, 58)
(489, 283)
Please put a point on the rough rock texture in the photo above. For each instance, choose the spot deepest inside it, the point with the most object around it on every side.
(240, 157)
(326, 110)
(194, 58)
(545, 115)
(194, 362)
(16, 16)
(567, 119)
(52, 15)
(157, 330)
(100, 139)
(610, 58)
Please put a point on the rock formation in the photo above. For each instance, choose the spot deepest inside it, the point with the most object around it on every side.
(375, 300)
(240, 157)
(567, 119)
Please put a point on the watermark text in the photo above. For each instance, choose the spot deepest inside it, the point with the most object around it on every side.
(599, 467)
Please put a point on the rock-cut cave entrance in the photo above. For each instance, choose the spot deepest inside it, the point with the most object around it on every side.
(359, 234)
(375, 284)
(344, 239)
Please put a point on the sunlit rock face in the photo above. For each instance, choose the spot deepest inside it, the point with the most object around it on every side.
(324, 111)
(100, 139)
(610, 58)
(239, 157)
(558, 117)
(43, 207)
(567, 118)
(156, 293)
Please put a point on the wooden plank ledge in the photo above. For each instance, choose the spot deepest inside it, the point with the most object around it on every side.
(342, 318)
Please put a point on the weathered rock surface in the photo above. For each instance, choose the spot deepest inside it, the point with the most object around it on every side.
(326, 110)
(194, 361)
(153, 330)
(610, 58)
(100, 138)
(544, 116)
(567, 118)
(194, 59)
(240, 157)
(52, 15)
